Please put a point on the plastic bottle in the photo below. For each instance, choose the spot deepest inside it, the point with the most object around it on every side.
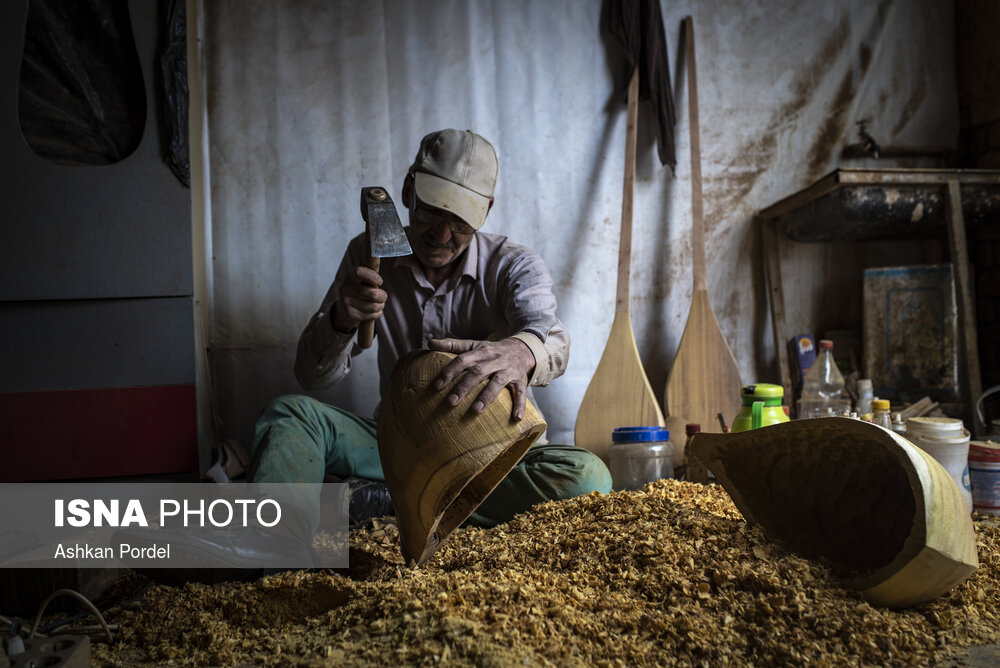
(881, 416)
(639, 455)
(823, 387)
(865, 396)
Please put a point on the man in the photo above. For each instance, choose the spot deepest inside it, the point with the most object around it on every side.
(462, 291)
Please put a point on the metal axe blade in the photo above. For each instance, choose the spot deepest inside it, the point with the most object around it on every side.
(385, 231)
(386, 238)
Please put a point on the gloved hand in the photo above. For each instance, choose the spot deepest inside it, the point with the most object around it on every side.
(507, 363)
(361, 298)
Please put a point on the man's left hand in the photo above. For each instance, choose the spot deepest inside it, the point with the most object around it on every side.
(507, 363)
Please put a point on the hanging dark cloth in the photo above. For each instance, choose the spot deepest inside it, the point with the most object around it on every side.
(173, 89)
(638, 25)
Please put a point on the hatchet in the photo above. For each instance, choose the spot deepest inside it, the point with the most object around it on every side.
(386, 237)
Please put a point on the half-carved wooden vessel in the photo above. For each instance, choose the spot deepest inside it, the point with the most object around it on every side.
(882, 513)
(442, 461)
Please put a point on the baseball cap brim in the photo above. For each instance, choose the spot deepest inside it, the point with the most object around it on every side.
(442, 194)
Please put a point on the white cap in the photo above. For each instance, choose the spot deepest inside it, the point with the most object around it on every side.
(456, 170)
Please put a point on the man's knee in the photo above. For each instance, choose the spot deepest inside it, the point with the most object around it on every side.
(288, 405)
(570, 471)
(594, 475)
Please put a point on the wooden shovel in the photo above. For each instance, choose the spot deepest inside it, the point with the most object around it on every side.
(704, 379)
(619, 394)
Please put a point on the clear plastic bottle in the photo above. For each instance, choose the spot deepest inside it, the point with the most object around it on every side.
(865, 396)
(823, 386)
(881, 415)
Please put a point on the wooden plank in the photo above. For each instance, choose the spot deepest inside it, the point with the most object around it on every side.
(771, 243)
(966, 302)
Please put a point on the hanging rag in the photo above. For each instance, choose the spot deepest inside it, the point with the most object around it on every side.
(638, 25)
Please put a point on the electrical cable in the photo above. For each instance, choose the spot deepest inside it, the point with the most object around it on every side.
(83, 599)
(62, 622)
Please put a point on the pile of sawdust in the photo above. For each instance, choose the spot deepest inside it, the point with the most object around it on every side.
(671, 574)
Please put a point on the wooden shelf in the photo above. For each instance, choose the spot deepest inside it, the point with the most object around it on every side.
(852, 204)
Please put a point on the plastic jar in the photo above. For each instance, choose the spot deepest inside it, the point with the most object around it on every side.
(639, 455)
(880, 413)
(761, 407)
(947, 441)
(984, 470)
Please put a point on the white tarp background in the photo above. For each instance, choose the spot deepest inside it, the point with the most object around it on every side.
(309, 101)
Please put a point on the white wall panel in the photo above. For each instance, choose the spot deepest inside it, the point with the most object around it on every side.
(309, 101)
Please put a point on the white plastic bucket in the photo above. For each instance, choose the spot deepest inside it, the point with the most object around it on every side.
(984, 468)
(935, 426)
(947, 441)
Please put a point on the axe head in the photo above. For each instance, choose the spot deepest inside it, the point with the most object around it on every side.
(385, 231)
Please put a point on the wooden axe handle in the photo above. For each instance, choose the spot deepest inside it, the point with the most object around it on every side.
(366, 331)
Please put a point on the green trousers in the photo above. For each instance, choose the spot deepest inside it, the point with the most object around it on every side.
(300, 439)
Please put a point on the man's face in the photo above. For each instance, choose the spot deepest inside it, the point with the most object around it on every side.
(438, 237)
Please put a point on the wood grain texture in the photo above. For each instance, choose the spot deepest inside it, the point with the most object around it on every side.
(441, 461)
(622, 296)
(887, 517)
(366, 330)
(694, 132)
(966, 303)
(704, 378)
(619, 395)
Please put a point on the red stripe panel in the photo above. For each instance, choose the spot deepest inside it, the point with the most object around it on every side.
(96, 433)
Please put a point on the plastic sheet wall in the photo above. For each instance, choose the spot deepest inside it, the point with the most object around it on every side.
(309, 101)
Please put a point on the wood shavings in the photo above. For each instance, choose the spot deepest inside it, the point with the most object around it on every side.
(667, 575)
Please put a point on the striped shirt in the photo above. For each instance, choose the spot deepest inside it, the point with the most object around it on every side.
(499, 290)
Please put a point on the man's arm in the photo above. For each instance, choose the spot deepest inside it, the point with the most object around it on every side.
(329, 340)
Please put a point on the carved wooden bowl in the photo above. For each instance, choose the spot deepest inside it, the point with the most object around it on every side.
(442, 461)
(882, 513)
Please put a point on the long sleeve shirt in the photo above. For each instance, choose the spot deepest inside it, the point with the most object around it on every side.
(499, 290)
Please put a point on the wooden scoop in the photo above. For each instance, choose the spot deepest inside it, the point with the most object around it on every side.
(881, 512)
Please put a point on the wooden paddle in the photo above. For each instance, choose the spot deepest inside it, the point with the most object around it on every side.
(619, 394)
(704, 379)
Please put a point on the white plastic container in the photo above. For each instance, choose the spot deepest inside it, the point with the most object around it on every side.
(947, 441)
(639, 455)
(865, 396)
(935, 426)
(984, 470)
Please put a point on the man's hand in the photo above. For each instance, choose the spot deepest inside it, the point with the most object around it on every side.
(361, 298)
(507, 363)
